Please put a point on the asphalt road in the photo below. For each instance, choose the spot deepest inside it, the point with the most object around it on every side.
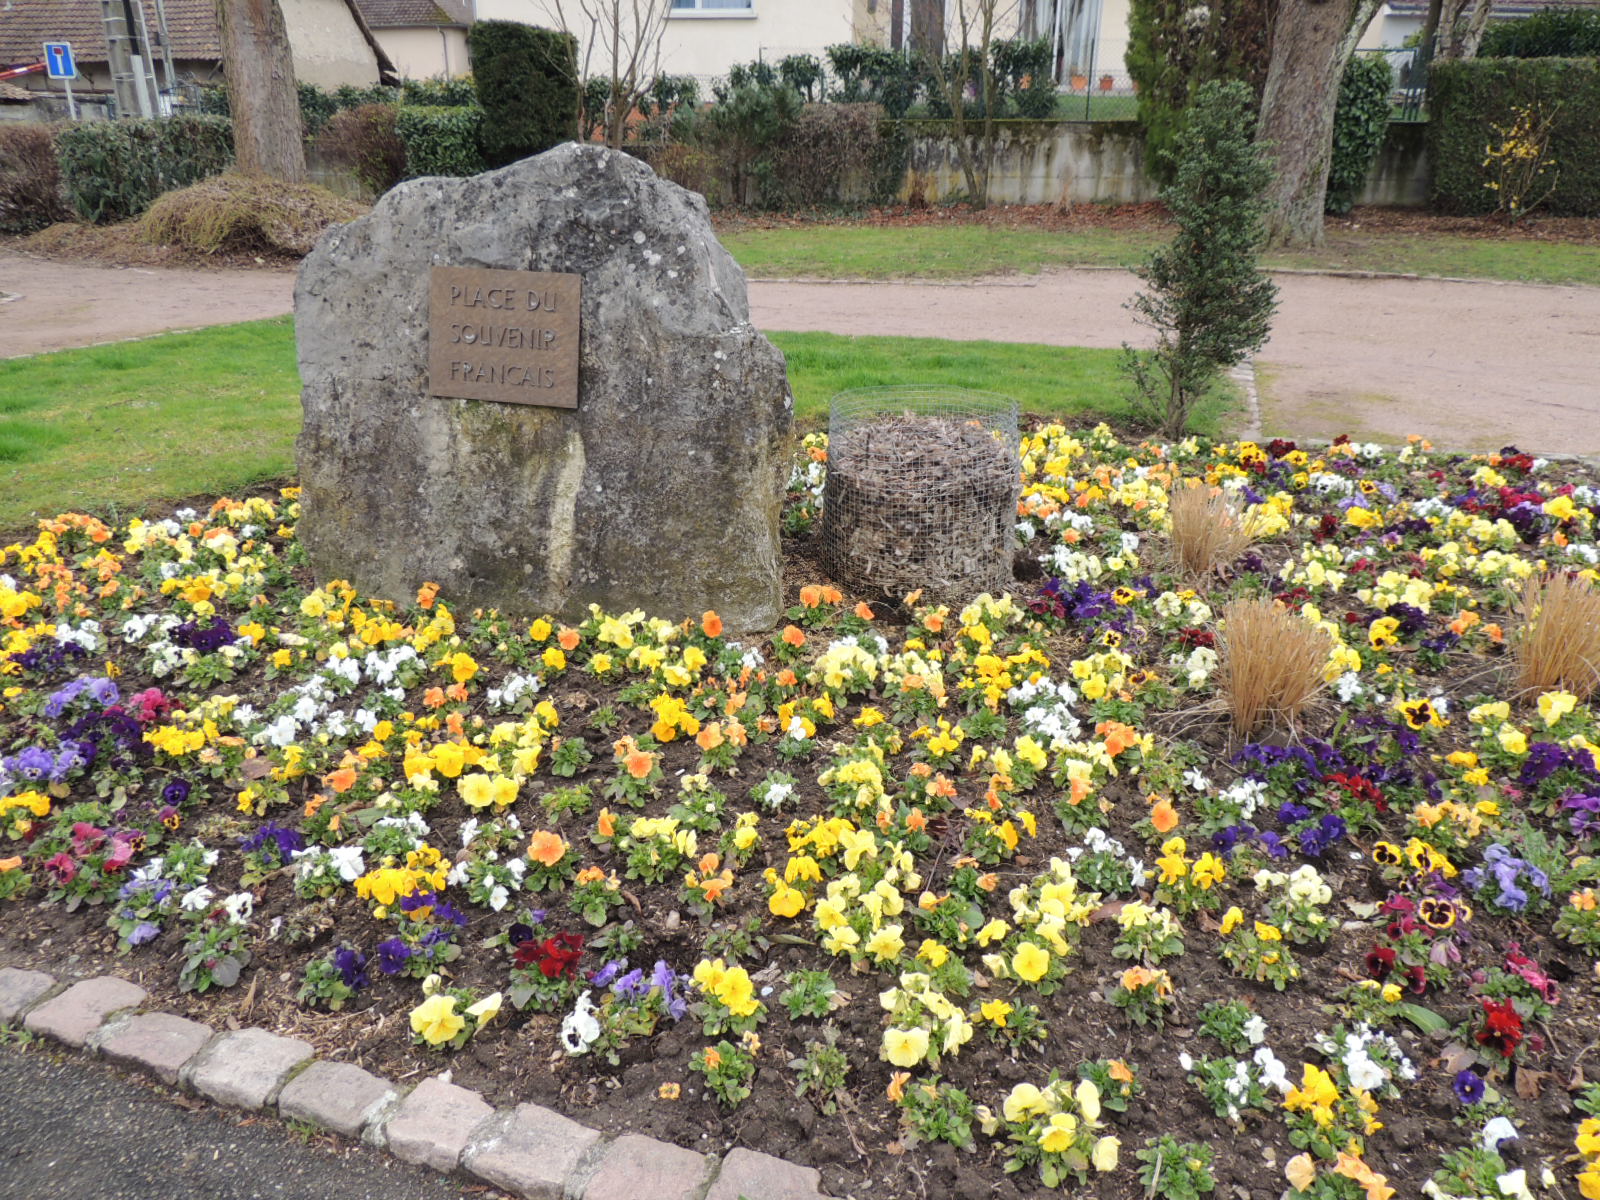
(72, 1129)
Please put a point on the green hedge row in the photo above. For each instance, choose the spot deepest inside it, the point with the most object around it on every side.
(1548, 33)
(441, 140)
(113, 170)
(1465, 101)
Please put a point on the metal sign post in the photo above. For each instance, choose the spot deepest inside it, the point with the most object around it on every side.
(59, 65)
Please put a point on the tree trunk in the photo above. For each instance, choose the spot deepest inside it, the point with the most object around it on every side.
(1312, 41)
(1430, 29)
(1458, 36)
(261, 90)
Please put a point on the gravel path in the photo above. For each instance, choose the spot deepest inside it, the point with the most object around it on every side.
(1472, 365)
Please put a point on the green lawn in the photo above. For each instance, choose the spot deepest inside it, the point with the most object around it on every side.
(929, 252)
(118, 428)
(967, 251)
(111, 427)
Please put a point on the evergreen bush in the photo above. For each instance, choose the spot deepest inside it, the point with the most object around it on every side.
(113, 170)
(874, 74)
(1548, 33)
(527, 84)
(1359, 125)
(441, 141)
(1174, 47)
(1207, 301)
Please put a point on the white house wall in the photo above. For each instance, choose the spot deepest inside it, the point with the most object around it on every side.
(425, 53)
(328, 48)
(707, 44)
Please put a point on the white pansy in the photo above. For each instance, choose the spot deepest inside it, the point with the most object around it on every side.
(580, 1028)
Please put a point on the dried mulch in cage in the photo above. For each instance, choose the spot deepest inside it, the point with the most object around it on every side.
(920, 501)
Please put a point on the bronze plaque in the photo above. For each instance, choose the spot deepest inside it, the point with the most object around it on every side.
(510, 336)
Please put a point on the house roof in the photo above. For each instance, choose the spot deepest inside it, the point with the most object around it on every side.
(192, 25)
(26, 27)
(398, 14)
(10, 93)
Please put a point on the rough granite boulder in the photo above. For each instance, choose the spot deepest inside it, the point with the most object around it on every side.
(660, 491)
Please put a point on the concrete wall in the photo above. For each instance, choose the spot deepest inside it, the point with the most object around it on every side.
(1400, 176)
(1039, 162)
(327, 45)
(426, 53)
(1102, 162)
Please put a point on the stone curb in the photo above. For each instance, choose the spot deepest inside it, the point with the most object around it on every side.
(527, 1151)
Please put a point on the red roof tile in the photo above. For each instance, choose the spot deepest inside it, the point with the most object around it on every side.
(25, 28)
(398, 14)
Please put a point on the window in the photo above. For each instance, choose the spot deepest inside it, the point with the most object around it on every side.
(709, 6)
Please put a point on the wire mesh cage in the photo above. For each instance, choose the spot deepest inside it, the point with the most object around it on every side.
(921, 490)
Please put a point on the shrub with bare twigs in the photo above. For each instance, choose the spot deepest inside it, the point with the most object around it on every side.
(1559, 644)
(1209, 529)
(1271, 664)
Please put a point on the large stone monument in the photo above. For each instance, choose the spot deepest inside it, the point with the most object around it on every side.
(540, 388)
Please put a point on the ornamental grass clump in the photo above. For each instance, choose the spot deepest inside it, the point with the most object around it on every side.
(1559, 646)
(1209, 530)
(1272, 664)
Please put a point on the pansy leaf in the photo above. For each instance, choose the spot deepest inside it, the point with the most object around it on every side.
(1424, 1019)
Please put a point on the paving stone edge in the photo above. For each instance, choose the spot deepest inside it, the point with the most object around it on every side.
(791, 1181)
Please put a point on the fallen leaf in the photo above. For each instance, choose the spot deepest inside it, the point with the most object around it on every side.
(1530, 1082)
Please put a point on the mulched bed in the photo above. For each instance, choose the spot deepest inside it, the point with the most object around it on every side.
(1404, 545)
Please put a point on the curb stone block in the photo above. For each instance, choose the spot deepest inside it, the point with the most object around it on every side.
(634, 1161)
(19, 990)
(747, 1173)
(435, 1123)
(246, 1069)
(337, 1096)
(159, 1043)
(532, 1153)
(77, 1012)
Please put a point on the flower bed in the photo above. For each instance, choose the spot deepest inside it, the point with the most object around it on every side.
(1001, 893)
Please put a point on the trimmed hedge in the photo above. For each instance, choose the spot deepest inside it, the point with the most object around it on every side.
(441, 140)
(1465, 99)
(113, 170)
(527, 86)
(1548, 33)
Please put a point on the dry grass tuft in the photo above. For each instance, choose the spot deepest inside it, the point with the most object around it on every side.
(1271, 664)
(1559, 644)
(241, 213)
(1209, 529)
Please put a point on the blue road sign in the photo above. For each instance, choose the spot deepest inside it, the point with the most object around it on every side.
(58, 60)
